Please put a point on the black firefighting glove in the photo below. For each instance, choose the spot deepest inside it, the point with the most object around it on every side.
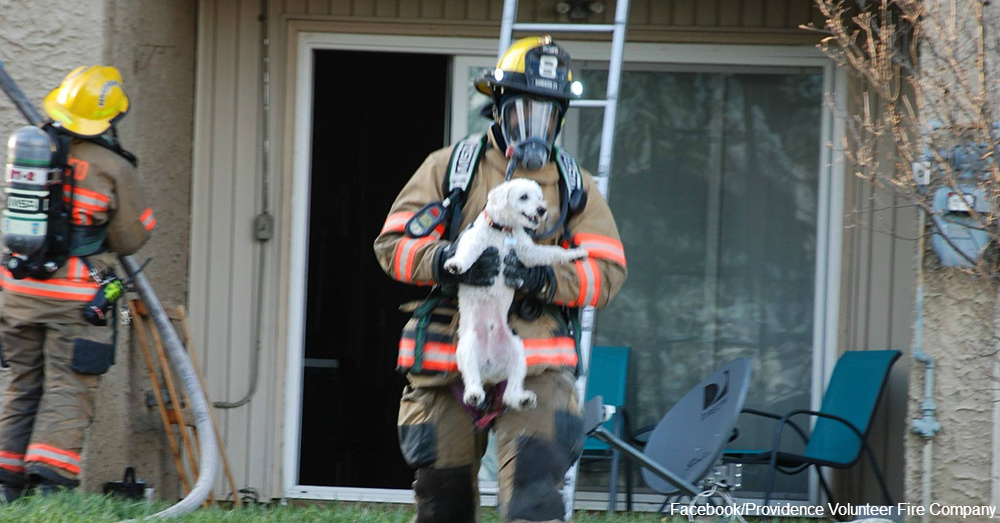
(533, 281)
(482, 273)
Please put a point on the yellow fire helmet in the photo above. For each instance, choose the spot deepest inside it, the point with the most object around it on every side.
(535, 65)
(89, 100)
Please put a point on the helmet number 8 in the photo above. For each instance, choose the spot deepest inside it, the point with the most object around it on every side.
(547, 66)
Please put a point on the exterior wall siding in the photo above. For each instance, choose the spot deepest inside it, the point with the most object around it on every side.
(877, 295)
(226, 260)
(718, 21)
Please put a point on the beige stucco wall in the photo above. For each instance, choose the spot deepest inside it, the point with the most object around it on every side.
(152, 43)
(958, 334)
(959, 313)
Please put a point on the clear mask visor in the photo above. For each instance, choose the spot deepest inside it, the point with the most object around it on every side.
(526, 118)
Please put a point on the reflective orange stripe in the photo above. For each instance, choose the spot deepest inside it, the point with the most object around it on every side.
(405, 357)
(56, 457)
(87, 193)
(437, 356)
(59, 288)
(440, 357)
(82, 216)
(396, 222)
(11, 461)
(550, 351)
(76, 269)
(147, 219)
(599, 246)
(406, 251)
(584, 283)
(79, 204)
(89, 199)
(590, 283)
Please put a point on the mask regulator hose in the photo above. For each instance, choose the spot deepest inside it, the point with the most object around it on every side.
(511, 167)
(532, 153)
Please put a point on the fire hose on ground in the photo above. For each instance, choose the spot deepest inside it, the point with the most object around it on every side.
(209, 458)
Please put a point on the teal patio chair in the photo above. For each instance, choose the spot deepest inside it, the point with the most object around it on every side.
(840, 435)
(608, 378)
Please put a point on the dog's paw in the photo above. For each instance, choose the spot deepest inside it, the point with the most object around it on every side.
(525, 400)
(474, 397)
(576, 253)
(454, 267)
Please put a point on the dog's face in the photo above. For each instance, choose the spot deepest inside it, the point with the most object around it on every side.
(517, 203)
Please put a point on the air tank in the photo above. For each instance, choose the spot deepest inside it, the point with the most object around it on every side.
(26, 187)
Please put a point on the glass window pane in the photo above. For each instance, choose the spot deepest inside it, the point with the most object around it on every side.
(714, 187)
(478, 123)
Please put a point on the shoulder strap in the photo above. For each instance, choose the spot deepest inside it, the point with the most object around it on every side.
(572, 196)
(569, 171)
(464, 161)
(462, 167)
(60, 203)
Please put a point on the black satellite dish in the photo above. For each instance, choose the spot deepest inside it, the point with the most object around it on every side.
(689, 440)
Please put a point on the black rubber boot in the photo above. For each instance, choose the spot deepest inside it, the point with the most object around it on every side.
(45, 488)
(46, 481)
(11, 493)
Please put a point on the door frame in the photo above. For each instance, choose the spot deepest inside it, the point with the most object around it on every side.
(308, 42)
(474, 50)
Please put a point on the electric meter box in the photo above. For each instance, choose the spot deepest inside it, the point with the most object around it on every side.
(954, 221)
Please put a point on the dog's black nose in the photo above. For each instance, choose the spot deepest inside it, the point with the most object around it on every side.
(541, 211)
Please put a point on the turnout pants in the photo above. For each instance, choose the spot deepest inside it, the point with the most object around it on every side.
(49, 403)
(535, 448)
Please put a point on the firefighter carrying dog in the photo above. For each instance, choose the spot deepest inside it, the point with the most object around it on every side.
(440, 436)
(72, 203)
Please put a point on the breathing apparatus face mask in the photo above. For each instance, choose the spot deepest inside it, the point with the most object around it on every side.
(529, 126)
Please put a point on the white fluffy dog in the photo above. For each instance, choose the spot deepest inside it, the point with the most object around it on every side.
(488, 350)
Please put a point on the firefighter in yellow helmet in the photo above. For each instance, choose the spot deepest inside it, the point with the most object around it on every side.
(440, 436)
(57, 346)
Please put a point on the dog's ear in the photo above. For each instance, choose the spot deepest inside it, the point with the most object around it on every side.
(496, 201)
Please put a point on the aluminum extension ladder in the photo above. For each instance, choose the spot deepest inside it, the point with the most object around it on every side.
(610, 105)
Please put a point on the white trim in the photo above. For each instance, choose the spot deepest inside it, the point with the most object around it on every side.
(829, 237)
(475, 51)
(767, 55)
(378, 495)
(459, 104)
(392, 43)
(299, 253)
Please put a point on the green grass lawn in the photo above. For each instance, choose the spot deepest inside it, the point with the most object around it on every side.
(73, 507)
(81, 508)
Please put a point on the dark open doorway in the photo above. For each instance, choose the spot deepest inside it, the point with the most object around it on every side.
(376, 116)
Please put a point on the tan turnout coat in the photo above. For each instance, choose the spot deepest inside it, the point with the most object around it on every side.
(550, 340)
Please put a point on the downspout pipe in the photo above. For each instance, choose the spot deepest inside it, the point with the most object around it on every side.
(927, 426)
(209, 464)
